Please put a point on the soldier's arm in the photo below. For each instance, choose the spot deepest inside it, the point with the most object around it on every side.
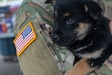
(81, 68)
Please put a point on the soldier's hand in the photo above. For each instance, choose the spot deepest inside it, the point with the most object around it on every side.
(81, 68)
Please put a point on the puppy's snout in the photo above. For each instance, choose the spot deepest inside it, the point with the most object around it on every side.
(55, 37)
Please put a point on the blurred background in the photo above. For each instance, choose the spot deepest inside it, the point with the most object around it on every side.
(8, 60)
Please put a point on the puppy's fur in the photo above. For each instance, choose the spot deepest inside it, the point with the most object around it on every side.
(81, 27)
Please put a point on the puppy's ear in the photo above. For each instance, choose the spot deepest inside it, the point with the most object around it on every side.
(49, 1)
(93, 9)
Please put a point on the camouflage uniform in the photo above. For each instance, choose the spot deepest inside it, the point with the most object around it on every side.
(108, 8)
(38, 58)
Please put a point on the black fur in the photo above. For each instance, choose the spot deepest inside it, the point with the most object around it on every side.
(48, 1)
(97, 38)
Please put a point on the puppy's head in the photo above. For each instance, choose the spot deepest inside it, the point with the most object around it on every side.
(74, 20)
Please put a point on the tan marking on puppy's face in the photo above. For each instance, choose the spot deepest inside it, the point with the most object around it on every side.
(66, 14)
(82, 30)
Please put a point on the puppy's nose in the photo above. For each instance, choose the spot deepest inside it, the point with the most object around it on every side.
(55, 37)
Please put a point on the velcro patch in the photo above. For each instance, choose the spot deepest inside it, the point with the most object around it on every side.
(24, 38)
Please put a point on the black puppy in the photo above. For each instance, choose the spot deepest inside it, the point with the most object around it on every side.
(81, 27)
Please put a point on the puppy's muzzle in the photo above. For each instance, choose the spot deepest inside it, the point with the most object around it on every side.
(55, 37)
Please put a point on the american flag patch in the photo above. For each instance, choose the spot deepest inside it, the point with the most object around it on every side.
(24, 38)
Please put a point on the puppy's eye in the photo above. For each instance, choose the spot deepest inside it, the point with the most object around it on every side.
(70, 21)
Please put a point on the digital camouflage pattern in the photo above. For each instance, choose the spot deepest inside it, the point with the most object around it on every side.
(43, 16)
(39, 12)
(107, 3)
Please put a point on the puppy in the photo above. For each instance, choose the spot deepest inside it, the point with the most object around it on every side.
(81, 27)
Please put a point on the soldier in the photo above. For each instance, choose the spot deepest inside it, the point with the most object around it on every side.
(36, 53)
(35, 49)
